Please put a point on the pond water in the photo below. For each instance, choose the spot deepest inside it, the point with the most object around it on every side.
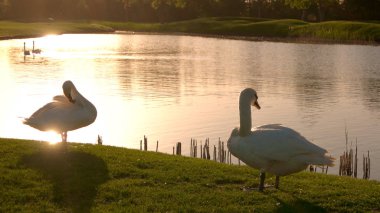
(174, 88)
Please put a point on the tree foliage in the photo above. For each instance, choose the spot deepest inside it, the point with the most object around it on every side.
(175, 10)
(299, 4)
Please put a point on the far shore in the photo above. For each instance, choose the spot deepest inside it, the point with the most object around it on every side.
(287, 31)
(304, 40)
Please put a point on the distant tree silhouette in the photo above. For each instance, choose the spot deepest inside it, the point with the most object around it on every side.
(175, 10)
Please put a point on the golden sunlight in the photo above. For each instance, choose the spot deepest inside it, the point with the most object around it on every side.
(51, 137)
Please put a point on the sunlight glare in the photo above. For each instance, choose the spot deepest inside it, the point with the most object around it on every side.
(51, 136)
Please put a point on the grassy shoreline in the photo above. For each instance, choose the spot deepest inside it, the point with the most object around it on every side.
(285, 30)
(40, 177)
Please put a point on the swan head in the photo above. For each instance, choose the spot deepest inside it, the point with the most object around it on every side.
(68, 87)
(250, 97)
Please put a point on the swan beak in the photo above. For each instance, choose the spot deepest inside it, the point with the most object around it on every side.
(256, 104)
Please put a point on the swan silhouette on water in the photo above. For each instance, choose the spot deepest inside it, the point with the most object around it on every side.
(65, 113)
(26, 52)
(272, 148)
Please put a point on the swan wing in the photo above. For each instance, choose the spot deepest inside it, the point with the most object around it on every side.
(53, 116)
(280, 143)
(61, 99)
(49, 107)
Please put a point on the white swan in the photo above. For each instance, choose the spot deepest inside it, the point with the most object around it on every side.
(65, 113)
(272, 148)
(26, 52)
(36, 51)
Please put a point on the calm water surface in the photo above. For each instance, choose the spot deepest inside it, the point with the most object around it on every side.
(173, 88)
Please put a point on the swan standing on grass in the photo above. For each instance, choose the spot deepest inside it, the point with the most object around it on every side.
(272, 148)
(65, 113)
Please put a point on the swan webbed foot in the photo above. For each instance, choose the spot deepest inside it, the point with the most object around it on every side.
(248, 189)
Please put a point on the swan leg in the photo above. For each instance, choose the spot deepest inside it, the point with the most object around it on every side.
(64, 137)
(262, 179)
(261, 185)
(277, 183)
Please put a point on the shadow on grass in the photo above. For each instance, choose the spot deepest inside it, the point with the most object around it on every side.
(298, 205)
(75, 175)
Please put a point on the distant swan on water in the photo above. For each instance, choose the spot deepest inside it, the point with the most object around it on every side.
(65, 113)
(26, 52)
(36, 51)
(272, 148)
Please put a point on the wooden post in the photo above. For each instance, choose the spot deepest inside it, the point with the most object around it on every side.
(220, 151)
(369, 166)
(195, 149)
(356, 160)
(100, 140)
(179, 149)
(157, 146)
(223, 154)
(208, 149)
(191, 147)
(145, 143)
(215, 153)
(140, 145)
(201, 150)
(364, 169)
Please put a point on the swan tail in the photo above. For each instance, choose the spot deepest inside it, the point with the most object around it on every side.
(322, 160)
(25, 120)
(330, 161)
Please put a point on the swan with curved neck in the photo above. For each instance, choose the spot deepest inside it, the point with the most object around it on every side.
(66, 113)
(271, 148)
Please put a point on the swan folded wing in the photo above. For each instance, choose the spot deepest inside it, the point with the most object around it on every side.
(61, 98)
(294, 138)
(42, 110)
(279, 143)
(47, 116)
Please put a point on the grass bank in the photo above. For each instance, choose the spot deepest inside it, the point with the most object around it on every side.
(11, 29)
(233, 27)
(265, 29)
(39, 177)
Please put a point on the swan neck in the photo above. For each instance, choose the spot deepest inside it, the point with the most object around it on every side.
(245, 118)
(84, 102)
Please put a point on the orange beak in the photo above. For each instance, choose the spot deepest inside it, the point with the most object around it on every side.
(256, 104)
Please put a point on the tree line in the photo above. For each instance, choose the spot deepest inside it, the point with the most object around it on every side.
(176, 10)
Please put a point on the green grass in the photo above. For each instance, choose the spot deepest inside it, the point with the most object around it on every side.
(233, 26)
(339, 31)
(245, 27)
(11, 29)
(284, 29)
(39, 177)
